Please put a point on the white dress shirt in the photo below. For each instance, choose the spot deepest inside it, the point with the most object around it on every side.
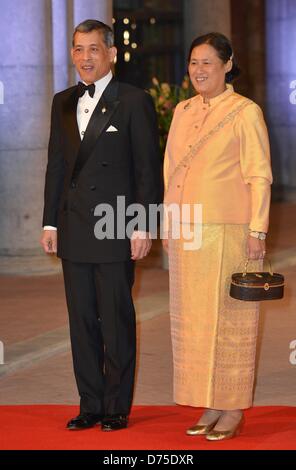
(86, 104)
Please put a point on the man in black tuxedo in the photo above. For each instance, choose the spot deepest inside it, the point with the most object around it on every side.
(103, 144)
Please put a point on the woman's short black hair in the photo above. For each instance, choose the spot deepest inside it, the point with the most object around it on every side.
(224, 50)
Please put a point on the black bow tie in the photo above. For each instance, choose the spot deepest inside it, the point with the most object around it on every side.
(82, 88)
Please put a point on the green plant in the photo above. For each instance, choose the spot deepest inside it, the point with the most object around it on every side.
(166, 97)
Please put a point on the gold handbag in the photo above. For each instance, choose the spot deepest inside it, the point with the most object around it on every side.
(257, 285)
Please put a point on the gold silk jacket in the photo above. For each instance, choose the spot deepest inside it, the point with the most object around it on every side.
(218, 155)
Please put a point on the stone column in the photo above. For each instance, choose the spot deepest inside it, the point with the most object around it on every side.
(26, 72)
(201, 17)
(96, 9)
(281, 85)
(34, 63)
(62, 27)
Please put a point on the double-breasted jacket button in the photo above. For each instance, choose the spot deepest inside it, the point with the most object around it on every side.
(93, 187)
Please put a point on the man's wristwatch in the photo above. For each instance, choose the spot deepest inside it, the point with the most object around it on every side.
(259, 235)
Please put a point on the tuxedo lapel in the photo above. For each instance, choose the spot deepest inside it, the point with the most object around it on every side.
(98, 121)
(70, 120)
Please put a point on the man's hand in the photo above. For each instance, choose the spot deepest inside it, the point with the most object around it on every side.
(140, 245)
(255, 248)
(49, 241)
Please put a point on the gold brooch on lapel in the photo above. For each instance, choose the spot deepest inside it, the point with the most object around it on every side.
(104, 110)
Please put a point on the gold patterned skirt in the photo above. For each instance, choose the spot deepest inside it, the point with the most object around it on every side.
(213, 335)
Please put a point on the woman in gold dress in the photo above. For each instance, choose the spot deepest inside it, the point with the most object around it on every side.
(217, 155)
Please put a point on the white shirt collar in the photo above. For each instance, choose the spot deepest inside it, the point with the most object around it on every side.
(102, 83)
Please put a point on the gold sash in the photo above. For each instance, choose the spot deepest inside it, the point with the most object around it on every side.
(196, 147)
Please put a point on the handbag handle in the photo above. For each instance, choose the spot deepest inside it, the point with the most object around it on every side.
(247, 262)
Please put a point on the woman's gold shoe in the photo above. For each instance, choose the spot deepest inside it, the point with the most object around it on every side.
(201, 429)
(223, 435)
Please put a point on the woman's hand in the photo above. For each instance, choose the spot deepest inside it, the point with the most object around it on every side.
(165, 245)
(255, 248)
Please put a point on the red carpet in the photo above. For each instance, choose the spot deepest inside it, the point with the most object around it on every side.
(151, 427)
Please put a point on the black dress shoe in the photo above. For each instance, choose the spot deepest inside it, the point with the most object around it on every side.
(84, 421)
(114, 422)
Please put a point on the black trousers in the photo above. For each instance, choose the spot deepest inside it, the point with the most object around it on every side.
(103, 334)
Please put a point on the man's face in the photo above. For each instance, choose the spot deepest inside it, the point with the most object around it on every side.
(91, 57)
